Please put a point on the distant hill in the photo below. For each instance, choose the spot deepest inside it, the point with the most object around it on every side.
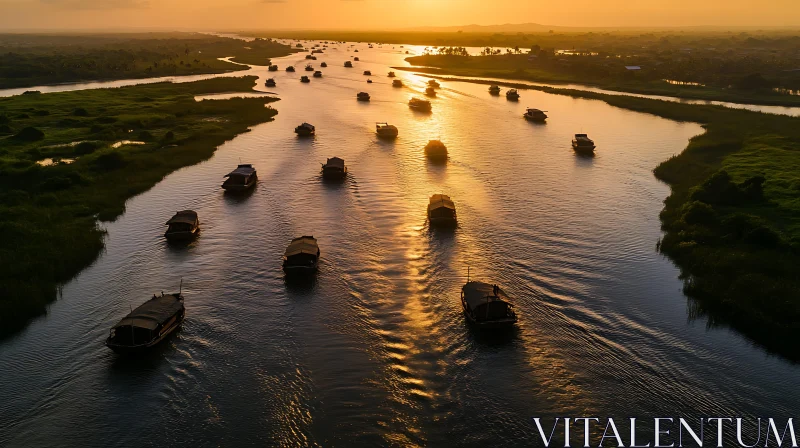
(505, 28)
(539, 28)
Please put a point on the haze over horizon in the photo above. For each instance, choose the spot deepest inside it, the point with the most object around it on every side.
(384, 14)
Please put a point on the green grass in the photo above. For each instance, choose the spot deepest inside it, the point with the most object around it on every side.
(31, 60)
(739, 258)
(610, 78)
(48, 214)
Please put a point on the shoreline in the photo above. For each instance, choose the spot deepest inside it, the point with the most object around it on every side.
(99, 176)
(744, 280)
(443, 72)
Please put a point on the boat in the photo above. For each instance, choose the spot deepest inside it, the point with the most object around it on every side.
(397, 83)
(369, 81)
(367, 73)
(273, 68)
(436, 150)
(270, 82)
(147, 325)
(324, 64)
(494, 90)
(512, 95)
(318, 74)
(183, 226)
(535, 115)
(304, 78)
(420, 105)
(301, 256)
(348, 64)
(305, 130)
(334, 169)
(583, 144)
(309, 68)
(386, 130)
(442, 211)
(290, 68)
(434, 84)
(242, 178)
(356, 58)
(487, 306)
(430, 91)
(391, 75)
(362, 96)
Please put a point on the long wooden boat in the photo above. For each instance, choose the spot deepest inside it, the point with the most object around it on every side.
(386, 130)
(148, 324)
(305, 130)
(420, 105)
(183, 226)
(242, 178)
(301, 256)
(535, 115)
(436, 150)
(583, 144)
(442, 211)
(487, 306)
(334, 169)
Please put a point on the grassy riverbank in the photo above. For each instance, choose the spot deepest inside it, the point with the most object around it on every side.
(31, 60)
(48, 213)
(518, 67)
(753, 66)
(732, 220)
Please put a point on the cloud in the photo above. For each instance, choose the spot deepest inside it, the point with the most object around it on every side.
(97, 4)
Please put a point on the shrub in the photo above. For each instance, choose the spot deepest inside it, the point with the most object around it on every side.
(85, 148)
(699, 213)
(110, 161)
(763, 236)
(719, 189)
(80, 112)
(5, 129)
(29, 134)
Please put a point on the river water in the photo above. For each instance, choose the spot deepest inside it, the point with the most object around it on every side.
(375, 351)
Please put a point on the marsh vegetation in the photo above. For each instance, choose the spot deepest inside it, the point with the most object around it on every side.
(120, 142)
(30, 60)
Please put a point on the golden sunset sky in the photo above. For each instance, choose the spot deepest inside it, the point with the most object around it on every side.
(386, 14)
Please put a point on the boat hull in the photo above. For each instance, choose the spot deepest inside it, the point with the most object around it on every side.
(583, 149)
(505, 322)
(443, 222)
(238, 188)
(334, 175)
(535, 119)
(181, 236)
(295, 270)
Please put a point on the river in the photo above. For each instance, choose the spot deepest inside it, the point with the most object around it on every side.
(375, 351)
